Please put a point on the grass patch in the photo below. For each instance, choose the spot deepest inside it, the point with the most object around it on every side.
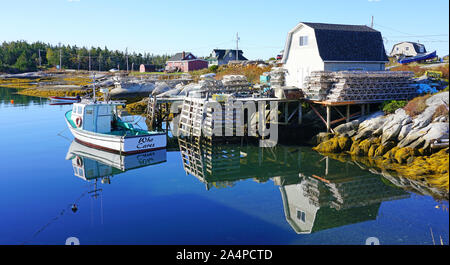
(416, 105)
(441, 110)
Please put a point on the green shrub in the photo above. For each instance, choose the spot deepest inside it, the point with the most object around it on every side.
(213, 68)
(391, 106)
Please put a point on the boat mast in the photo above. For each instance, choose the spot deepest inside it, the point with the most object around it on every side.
(93, 82)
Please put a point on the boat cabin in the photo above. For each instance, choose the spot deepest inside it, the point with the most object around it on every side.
(97, 117)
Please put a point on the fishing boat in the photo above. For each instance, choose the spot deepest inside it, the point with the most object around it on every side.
(98, 124)
(420, 57)
(67, 100)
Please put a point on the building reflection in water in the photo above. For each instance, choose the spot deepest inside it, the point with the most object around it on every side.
(317, 192)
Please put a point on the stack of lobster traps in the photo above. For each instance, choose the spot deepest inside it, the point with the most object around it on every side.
(360, 86)
(317, 85)
(277, 77)
(235, 82)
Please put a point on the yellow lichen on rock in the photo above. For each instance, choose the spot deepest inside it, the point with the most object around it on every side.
(344, 143)
(432, 169)
(51, 92)
(137, 107)
(330, 146)
(402, 154)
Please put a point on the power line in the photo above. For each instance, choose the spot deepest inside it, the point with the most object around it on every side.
(402, 32)
(406, 36)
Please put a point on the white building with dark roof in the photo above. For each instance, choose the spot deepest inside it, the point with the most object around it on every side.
(331, 47)
(223, 56)
(407, 48)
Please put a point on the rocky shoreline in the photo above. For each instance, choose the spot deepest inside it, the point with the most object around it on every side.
(398, 142)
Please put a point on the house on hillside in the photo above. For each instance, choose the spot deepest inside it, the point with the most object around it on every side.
(331, 47)
(407, 49)
(185, 62)
(222, 56)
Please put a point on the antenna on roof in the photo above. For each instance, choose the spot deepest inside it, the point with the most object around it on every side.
(237, 46)
(93, 84)
(371, 24)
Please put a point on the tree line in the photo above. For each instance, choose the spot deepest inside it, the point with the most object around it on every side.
(21, 56)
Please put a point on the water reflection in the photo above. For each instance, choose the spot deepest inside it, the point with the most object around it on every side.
(317, 192)
(221, 165)
(9, 97)
(315, 203)
(90, 163)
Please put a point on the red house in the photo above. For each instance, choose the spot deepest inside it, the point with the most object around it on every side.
(185, 62)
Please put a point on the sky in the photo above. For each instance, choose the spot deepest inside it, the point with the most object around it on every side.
(198, 26)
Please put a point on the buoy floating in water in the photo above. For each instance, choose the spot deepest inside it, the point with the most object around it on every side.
(12, 101)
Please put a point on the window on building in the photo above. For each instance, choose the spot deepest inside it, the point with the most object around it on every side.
(397, 48)
(407, 48)
(80, 110)
(301, 216)
(303, 40)
(421, 49)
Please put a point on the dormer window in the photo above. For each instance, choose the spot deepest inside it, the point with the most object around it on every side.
(303, 40)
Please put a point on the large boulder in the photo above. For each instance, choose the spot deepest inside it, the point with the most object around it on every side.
(438, 130)
(414, 135)
(367, 127)
(161, 87)
(406, 129)
(391, 133)
(438, 99)
(425, 118)
(347, 127)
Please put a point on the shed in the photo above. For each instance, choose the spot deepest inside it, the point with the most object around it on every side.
(331, 47)
(147, 68)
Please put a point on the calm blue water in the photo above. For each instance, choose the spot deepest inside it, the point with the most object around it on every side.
(233, 195)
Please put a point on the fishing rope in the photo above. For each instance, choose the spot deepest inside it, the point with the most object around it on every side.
(61, 213)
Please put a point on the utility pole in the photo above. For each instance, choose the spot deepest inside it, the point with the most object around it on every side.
(40, 60)
(371, 24)
(89, 60)
(126, 55)
(60, 60)
(99, 62)
(237, 46)
(78, 59)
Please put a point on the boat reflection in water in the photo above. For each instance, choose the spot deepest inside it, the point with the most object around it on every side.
(317, 192)
(90, 163)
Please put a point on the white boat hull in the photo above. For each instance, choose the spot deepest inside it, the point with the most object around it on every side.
(121, 144)
(90, 163)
